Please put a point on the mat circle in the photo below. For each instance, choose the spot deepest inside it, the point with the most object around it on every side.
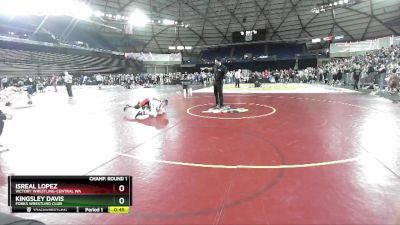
(191, 109)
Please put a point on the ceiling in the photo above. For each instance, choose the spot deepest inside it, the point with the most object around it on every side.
(213, 21)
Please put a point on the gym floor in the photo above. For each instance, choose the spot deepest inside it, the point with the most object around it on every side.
(294, 158)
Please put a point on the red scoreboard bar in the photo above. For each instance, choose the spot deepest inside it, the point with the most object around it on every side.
(70, 194)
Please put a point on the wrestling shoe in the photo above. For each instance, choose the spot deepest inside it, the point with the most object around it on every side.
(8, 103)
(126, 107)
(3, 149)
(137, 106)
(138, 114)
(30, 103)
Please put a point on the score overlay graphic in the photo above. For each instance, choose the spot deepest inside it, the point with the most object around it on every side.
(70, 194)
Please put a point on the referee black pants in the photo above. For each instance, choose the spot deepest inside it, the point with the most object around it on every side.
(2, 118)
(219, 98)
(356, 80)
(69, 89)
(237, 82)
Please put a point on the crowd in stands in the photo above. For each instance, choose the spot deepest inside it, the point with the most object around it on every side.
(125, 80)
(381, 67)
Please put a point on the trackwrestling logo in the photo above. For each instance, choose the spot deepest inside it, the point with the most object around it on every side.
(226, 109)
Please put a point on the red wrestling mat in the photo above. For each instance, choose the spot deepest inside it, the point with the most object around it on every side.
(289, 159)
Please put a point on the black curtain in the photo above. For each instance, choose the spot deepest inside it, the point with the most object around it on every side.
(304, 63)
(258, 65)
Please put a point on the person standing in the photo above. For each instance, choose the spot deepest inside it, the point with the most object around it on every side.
(238, 76)
(3, 116)
(68, 84)
(99, 79)
(81, 80)
(4, 82)
(334, 75)
(339, 76)
(54, 81)
(393, 81)
(382, 76)
(219, 75)
(326, 76)
(356, 76)
(31, 89)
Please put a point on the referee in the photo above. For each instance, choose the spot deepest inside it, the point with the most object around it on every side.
(219, 75)
(3, 117)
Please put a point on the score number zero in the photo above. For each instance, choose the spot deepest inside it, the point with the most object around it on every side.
(121, 188)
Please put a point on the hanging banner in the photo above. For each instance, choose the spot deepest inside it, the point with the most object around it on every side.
(361, 47)
(173, 58)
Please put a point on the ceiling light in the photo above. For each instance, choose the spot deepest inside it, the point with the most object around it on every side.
(316, 40)
(98, 14)
(67, 7)
(339, 37)
(168, 22)
(138, 19)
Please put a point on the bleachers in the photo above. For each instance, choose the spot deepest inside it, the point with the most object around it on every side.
(254, 50)
(211, 54)
(285, 50)
(20, 62)
(275, 51)
(54, 26)
(43, 37)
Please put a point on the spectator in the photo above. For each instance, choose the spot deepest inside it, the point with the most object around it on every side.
(356, 76)
(238, 76)
(4, 82)
(68, 79)
(54, 81)
(99, 80)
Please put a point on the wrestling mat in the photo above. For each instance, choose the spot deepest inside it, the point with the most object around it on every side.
(226, 109)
